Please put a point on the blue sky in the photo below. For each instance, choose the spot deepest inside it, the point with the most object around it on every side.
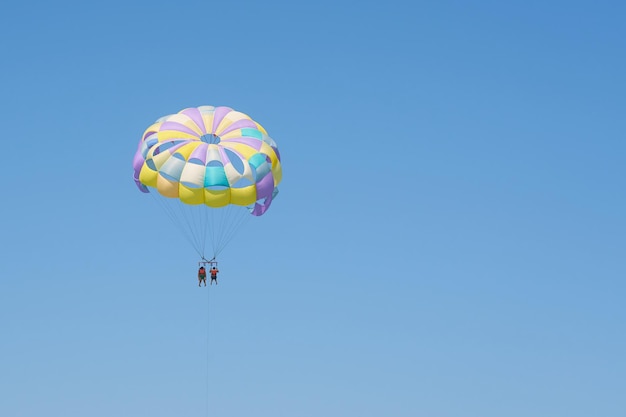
(449, 238)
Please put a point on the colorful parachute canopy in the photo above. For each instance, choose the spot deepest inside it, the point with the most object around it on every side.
(208, 155)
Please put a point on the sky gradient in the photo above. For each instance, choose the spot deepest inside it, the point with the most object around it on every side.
(448, 240)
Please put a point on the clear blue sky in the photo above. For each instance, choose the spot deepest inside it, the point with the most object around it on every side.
(449, 239)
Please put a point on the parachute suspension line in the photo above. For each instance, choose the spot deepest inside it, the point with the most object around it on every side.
(205, 224)
(199, 223)
(226, 222)
(196, 220)
(171, 212)
(208, 349)
(213, 215)
(218, 226)
(189, 227)
(239, 222)
(237, 217)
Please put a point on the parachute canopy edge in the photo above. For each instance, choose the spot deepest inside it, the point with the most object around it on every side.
(197, 146)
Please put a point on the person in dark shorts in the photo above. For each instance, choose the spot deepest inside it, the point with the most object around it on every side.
(201, 276)
(214, 272)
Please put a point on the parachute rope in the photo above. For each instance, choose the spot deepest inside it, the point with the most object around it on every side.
(224, 224)
(236, 218)
(198, 225)
(170, 212)
(208, 348)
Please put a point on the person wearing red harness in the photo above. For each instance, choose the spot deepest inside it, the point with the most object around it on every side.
(201, 276)
(214, 272)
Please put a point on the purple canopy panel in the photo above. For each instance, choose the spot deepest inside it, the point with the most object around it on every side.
(137, 164)
(253, 143)
(239, 124)
(218, 116)
(260, 208)
(200, 152)
(178, 127)
(195, 115)
(265, 187)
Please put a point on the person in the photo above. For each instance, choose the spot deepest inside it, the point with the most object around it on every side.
(214, 272)
(201, 276)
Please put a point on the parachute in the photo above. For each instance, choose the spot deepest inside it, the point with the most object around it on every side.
(212, 168)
